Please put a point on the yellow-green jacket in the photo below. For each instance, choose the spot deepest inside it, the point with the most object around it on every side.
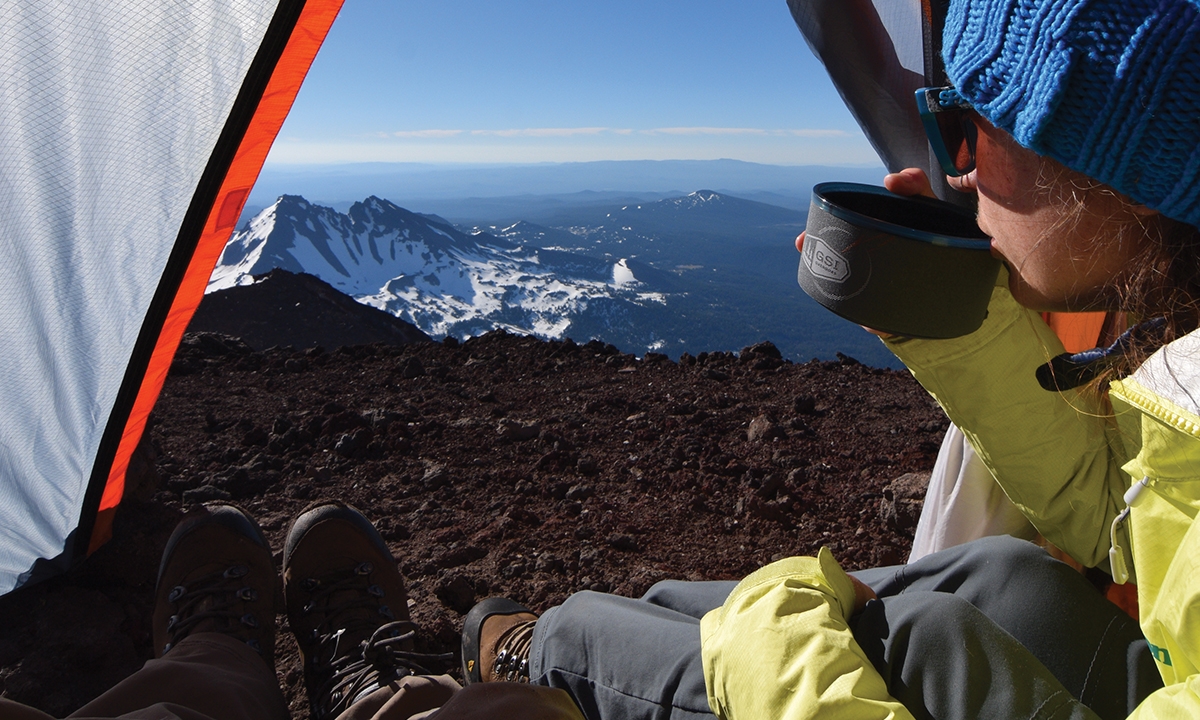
(780, 647)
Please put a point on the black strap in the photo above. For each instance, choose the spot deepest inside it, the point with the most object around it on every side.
(1072, 370)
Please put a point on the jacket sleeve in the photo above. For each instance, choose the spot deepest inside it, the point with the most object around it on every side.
(1056, 455)
(1178, 700)
(780, 647)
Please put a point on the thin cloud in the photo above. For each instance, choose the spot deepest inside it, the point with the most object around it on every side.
(761, 132)
(817, 133)
(705, 131)
(543, 132)
(426, 133)
(624, 132)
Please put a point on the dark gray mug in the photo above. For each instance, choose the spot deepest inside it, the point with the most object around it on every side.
(904, 265)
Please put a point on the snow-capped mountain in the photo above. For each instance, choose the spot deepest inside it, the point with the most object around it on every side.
(441, 280)
(692, 273)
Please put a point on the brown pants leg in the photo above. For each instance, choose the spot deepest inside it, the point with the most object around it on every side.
(419, 697)
(208, 676)
(488, 701)
(411, 696)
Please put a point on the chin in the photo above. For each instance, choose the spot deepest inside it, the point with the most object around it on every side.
(1038, 300)
(1028, 297)
(1047, 301)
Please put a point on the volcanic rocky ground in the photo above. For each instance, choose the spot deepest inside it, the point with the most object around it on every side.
(501, 465)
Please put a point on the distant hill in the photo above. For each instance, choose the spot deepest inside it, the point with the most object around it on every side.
(708, 212)
(282, 308)
(507, 193)
(700, 228)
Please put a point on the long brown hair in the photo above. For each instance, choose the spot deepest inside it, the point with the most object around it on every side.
(1162, 279)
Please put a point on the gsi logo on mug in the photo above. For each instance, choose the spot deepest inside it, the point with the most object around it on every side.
(823, 261)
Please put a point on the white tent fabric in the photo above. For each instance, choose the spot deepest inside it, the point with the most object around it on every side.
(878, 52)
(108, 114)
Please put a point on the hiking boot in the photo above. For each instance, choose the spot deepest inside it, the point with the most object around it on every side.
(217, 575)
(497, 636)
(348, 608)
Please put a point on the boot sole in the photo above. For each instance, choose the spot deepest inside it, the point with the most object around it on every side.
(473, 626)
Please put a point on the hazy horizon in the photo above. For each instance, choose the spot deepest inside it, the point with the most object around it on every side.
(510, 191)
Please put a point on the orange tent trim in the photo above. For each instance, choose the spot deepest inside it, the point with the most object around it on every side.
(293, 65)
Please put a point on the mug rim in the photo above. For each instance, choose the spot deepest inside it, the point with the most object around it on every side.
(859, 219)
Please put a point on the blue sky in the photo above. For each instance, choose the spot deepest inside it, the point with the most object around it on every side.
(488, 81)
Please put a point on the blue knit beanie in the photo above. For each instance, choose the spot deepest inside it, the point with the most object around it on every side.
(1110, 88)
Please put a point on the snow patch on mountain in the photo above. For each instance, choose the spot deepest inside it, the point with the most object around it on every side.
(622, 275)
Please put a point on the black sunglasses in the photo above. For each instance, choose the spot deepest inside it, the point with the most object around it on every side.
(947, 120)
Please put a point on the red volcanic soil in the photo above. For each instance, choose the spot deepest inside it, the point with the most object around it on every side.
(503, 465)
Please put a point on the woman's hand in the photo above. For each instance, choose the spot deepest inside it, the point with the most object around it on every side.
(862, 593)
(909, 181)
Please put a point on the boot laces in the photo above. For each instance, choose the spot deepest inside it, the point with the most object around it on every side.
(212, 597)
(512, 660)
(344, 672)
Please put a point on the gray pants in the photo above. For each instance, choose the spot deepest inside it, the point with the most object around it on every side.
(995, 628)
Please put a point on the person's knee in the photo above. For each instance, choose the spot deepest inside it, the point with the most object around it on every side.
(1007, 546)
(1006, 556)
(663, 592)
(942, 617)
(912, 625)
(566, 629)
(937, 622)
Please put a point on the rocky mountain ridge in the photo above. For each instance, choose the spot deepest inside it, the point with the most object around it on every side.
(299, 310)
